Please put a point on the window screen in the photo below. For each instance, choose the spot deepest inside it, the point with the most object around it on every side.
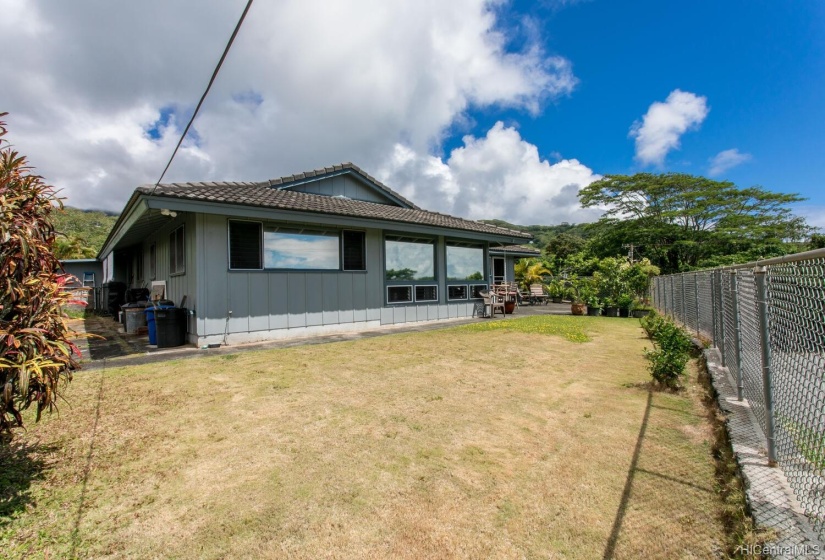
(245, 245)
(177, 256)
(354, 250)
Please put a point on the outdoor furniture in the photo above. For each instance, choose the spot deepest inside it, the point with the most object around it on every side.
(491, 301)
(509, 295)
(537, 294)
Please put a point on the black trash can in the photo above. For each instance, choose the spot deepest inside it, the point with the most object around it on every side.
(170, 327)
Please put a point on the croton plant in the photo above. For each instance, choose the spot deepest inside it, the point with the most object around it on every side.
(36, 355)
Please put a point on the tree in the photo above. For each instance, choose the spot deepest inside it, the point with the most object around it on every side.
(36, 355)
(562, 246)
(682, 220)
(530, 271)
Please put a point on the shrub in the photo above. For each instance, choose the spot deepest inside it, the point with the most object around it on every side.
(668, 359)
(35, 353)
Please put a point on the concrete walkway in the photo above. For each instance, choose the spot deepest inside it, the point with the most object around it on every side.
(110, 346)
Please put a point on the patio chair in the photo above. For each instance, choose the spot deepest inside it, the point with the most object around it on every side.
(537, 294)
(492, 302)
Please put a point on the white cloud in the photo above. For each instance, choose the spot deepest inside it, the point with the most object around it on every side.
(308, 83)
(497, 176)
(664, 123)
(726, 159)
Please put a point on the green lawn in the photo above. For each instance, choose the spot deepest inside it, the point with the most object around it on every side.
(524, 438)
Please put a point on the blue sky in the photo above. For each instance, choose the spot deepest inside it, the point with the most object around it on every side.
(472, 108)
(760, 64)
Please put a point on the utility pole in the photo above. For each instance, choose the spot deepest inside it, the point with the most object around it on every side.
(631, 248)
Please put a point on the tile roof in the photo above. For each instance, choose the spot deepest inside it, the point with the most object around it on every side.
(515, 249)
(283, 182)
(263, 195)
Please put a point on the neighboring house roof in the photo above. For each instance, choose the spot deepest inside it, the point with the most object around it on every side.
(520, 250)
(276, 194)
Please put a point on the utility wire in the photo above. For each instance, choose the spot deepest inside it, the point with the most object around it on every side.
(205, 93)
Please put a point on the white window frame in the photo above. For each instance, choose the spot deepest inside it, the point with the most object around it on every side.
(415, 294)
(408, 286)
(466, 292)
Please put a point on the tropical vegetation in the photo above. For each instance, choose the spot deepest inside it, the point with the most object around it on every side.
(36, 355)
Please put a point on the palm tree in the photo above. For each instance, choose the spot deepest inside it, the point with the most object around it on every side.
(531, 271)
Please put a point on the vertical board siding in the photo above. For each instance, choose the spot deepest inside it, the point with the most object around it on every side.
(271, 300)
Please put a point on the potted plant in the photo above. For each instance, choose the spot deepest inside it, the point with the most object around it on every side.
(624, 302)
(640, 309)
(556, 291)
(594, 305)
(610, 308)
(580, 290)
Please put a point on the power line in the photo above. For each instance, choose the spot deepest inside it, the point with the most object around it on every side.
(205, 93)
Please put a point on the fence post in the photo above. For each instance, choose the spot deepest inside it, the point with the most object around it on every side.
(696, 299)
(672, 299)
(737, 335)
(721, 320)
(714, 339)
(765, 344)
(684, 303)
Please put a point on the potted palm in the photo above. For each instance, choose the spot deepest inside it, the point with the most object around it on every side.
(556, 291)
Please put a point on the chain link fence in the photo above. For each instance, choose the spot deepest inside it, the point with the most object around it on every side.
(768, 321)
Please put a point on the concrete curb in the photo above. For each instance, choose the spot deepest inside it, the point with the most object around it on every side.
(771, 500)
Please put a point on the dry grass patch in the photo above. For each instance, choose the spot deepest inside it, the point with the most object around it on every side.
(443, 444)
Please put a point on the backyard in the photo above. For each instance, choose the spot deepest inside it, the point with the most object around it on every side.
(526, 438)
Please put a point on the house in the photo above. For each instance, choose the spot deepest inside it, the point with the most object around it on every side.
(503, 260)
(326, 251)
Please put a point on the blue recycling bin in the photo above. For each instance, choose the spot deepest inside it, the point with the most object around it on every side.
(150, 322)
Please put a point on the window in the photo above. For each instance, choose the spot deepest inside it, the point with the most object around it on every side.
(476, 289)
(153, 262)
(139, 266)
(456, 292)
(245, 245)
(354, 250)
(177, 256)
(409, 259)
(426, 293)
(465, 262)
(399, 294)
(301, 250)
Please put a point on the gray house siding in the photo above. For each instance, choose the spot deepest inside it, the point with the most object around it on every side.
(341, 185)
(268, 304)
(263, 301)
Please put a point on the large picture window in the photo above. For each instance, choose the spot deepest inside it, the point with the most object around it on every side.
(177, 254)
(408, 259)
(252, 246)
(301, 250)
(465, 262)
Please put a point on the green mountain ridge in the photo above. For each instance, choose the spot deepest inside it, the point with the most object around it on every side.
(81, 233)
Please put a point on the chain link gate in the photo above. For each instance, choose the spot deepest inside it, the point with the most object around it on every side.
(774, 351)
